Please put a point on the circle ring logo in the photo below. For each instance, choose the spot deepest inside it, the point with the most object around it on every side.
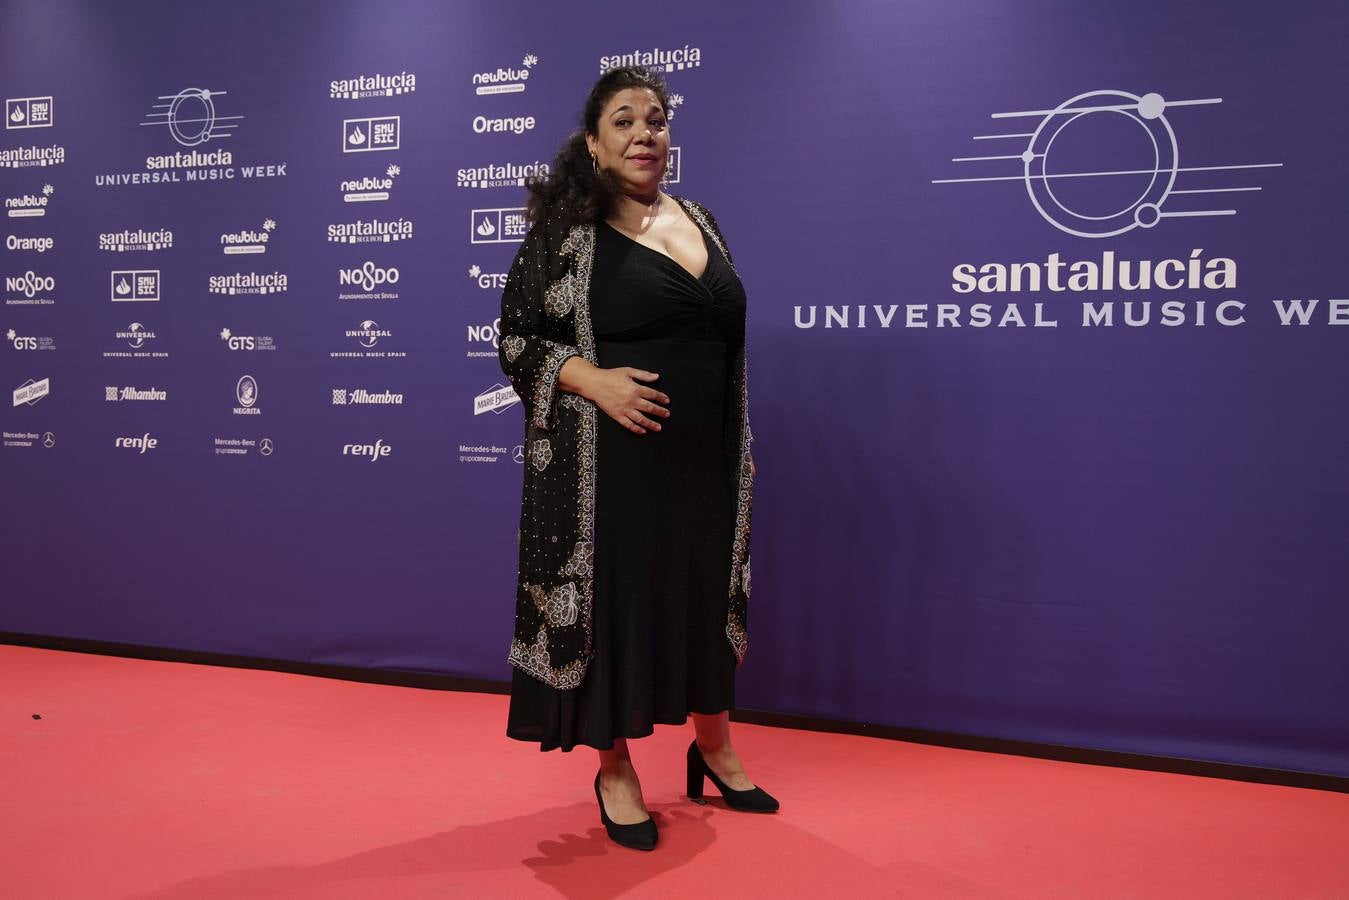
(1146, 111)
(204, 117)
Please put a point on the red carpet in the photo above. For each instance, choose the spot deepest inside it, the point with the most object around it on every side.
(157, 780)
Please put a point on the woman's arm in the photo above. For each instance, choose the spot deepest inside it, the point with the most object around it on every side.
(617, 392)
(528, 357)
(539, 366)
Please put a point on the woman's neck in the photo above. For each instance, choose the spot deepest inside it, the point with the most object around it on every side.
(638, 208)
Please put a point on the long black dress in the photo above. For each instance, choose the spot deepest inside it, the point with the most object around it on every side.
(664, 509)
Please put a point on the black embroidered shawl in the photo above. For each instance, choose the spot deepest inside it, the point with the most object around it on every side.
(545, 320)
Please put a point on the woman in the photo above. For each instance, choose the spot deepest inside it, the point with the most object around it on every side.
(622, 332)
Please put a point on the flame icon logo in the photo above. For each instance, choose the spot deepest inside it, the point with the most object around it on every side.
(133, 285)
(486, 228)
(17, 116)
(370, 133)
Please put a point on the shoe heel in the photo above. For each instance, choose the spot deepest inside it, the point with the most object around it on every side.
(639, 836)
(695, 776)
(754, 799)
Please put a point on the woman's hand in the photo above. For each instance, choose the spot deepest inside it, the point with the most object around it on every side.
(618, 392)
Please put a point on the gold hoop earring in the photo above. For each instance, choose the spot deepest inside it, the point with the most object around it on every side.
(595, 164)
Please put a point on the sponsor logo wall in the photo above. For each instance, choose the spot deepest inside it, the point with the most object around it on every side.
(1046, 344)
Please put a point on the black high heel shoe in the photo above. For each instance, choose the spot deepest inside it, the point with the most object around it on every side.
(639, 835)
(755, 799)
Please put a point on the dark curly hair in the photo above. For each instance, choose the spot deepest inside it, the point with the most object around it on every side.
(573, 188)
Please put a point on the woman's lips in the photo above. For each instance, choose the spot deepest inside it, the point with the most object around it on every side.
(644, 160)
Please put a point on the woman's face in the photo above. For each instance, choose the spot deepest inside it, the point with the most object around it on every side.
(633, 140)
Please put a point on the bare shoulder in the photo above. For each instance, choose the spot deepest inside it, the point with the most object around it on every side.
(690, 204)
(699, 213)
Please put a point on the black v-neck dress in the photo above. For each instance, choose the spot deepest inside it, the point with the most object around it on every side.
(664, 508)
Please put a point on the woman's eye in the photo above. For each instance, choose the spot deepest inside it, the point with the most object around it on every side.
(623, 123)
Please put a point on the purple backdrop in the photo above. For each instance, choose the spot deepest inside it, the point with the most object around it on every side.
(1124, 530)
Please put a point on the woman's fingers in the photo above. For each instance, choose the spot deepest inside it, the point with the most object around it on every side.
(652, 394)
(631, 411)
(644, 421)
(634, 421)
(649, 407)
